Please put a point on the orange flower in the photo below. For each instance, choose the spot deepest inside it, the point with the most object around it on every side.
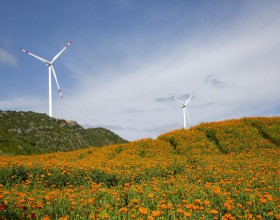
(250, 216)
(150, 195)
(123, 210)
(216, 190)
(206, 202)
(270, 213)
(227, 216)
(39, 205)
(134, 201)
(180, 211)
(31, 199)
(163, 206)
(66, 217)
(106, 216)
(155, 213)
(207, 185)
(143, 211)
(214, 212)
(169, 205)
(187, 214)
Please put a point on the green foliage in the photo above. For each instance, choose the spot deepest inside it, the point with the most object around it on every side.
(26, 133)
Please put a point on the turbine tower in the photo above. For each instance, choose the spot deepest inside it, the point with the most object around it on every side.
(51, 70)
(184, 107)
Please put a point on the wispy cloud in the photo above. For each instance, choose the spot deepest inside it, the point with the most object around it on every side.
(214, 81)
(202, 105)
(130, 110)
(163, 99)
(7, 58)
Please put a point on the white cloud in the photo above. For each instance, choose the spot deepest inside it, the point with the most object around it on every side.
(243, 68)
(7, 58)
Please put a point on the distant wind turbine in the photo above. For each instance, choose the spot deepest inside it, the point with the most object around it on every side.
(51, 70)
(184, 107)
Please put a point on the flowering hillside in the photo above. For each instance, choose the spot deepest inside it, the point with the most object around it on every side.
(218, 170)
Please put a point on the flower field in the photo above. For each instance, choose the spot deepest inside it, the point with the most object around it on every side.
(217, 170)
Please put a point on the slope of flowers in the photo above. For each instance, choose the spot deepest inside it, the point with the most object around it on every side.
(268, 127)
(242, 134)
(183, 174)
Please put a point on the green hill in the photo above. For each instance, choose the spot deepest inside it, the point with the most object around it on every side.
(25, 133)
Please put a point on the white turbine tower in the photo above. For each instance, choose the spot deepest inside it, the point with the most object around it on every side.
(184, 107)
(51, 70)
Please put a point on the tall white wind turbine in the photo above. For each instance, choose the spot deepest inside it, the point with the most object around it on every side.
(49, 64)
(184, 107)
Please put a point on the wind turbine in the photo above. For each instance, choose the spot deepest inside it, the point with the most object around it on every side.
(49, 64)
(184, 107)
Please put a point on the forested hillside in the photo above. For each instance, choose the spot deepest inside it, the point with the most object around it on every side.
(34, 133)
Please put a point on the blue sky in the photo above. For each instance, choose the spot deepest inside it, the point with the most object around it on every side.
(127, 56)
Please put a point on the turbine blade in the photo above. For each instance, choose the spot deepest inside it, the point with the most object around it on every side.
(54, 74)
(37, 57)
(190, 97)
(176, 99)
(57, 55)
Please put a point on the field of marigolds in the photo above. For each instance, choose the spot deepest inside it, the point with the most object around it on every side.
(218, 170)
